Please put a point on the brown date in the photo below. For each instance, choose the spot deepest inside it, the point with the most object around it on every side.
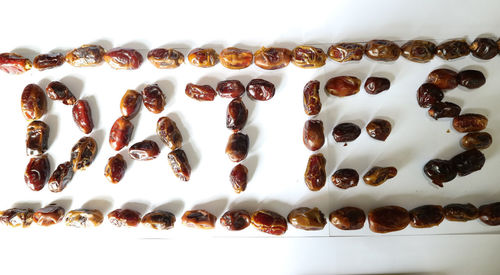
(272, 58)
(237, 147)
(200, 92)
(115, 168)
(123, 59)
(476, 140)
(235, 220)
(168, 132)
(312, 101)
(144, 150)
(124, 218)
(230, 89)
(312, 135)
(429, 94)
(49, 215)
(444, 109)
(120, 133)
(379, 129)
(426, 216)
(470, 123)
(260, 89)
(153, 98)
(343, 52)
(48, 61)
(58, 91)
(37, 138)
(484, 48)
(468, 162)
(37, 172)
(471, 79)
(443, 78)
(343, 86)
(159, 220)
(269, 222)
(440, 171)
(378, 175)
(84, 218)
(12, 63)
(236, 59)
(33, 102)
(346, 132)
(239, 178)
(345, 178)
(165, 58)
(420, 51)
(86, 56)
(490, 213)
(83, 153)
(460, 212)
(308, 57)
(236, 115)
(201, 219)
(82, 116)
(180, 165)
(315, 174)
(452, 49)
(130, 103)
(17, 217)
(60, 177)
(348, 218)
(382, 50)
(307, 219)
(203, 58)
(388, 219)
(376, 85)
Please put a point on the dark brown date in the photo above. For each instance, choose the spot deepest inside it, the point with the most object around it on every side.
(312, 135)
(120, 133)
(82, 116)
(201, 219)
(123, 59)
(343, 86)
(308, 57)
(307, 219)
(490, 213)
(124, 218)
(382, 50)
(376, 85)
(60, 177)
(315, 174)
(83, 153)
(345, 178)
(12, 63)
(130, 103)
(272, 58)
(476, 140)
(84, 218)
(48, 61)
(86, 56)
(444, 109)
(468, 162)
(153, 98)
(115, 168)
(144, 150)
(37, 172)
(237, 147)
(165, 58)
(180, 165)
(203, 58)
(484, 48)
(200, 92)
(443, 78)
(260, 89)
(346, 132)
(470, 123)
(388, 219)
(343, 52)
(312, 101)
(379, 129)
(348, 218)
(378, 175)
(239, 178)
(429, 94)
(471, 79)
(17, 217)
(269, 222)
(439, 171)
(420, 51)
(49, 215)
(236, 115)
(58, 91)
(426, 216)
(235, 59)
(159, 220)
(230, 89)
(37, 138)
(33, 102)
(235, 220)
(168, 132)
(452, 49)
(460, 212)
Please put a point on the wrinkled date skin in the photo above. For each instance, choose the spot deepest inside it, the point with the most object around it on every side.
(420, 51)
(124, 218)
(308, 57)
(378, 175)
(444, 109)
(379, 129)
(348, 218)
(237, 147)
(115, 168)
(17, 217)
(235, 59)
(343, 86)
(343, 52)
(260, 89)
(159, 220)
(203, 58)
(130, 103)
(120, 133)
(307, 219)
(123, 59)
(272, 58)
(312, 101)
(428, 94)
(37, 172)
(461, 212)
(167, 130)
(236, 115)
(165, 58)
(33, 102)
(179, 163)
(235, 220)
(452, 49)
(315, 174)
(269, 222)
(382, 50)
(484, 48)
(376, 85)
(83, 153)
(239, 178)
(443, 78)
(490, 213)
(471, 79)
(84, 218)
(476, 140)
(144, 150)
(439, 171)
(48, 61)
(388, 219)
(153, 98)
(426, 216)
(312, 135)
(82, 116)
(230, 89)
(58, 91)
(346, 132)
(60, 177)
(345, 178)
(470, 123)
(12, 63)
(201, 219)
(49, 215)
(200, 92)
(86, 56)
(468, 162)
(37, 138)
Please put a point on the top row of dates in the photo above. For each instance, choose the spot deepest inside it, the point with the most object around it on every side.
(272, 58)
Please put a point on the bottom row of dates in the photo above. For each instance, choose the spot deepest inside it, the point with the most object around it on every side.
(381, 220)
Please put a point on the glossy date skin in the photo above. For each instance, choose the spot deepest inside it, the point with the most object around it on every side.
(471, 79)
(379, 129)
(235, 59)
(476, 140)
(124, 218)
(426, 216)
(153, 98)
(444, 109)
(37, 138)
(382, 50)
(33, 102)
(49, 215)
(490, 213)
(452, 49)
(201, 219)
(168, 132)
(17, 217)
(120, 133)
(440, 171)
(429, 94)
(203, 58)
(60, 177)
(308, 57)
(130, 103)
(307, 219)
(235, 220)
(260, 89)
(123, 59)
(159, 220)
(59, 91)
(83, 153)
(461, 212)
(200, 92)
(315, 174)
(388, 219)
(84, 218)
(230, 89)
(12, 63)
(484, 48)
(470, 123)
(236, 115)
(269, 222)
(239, 178)
(343, 86)
(115, 168)
(443, 78)
(272, 58)
(237, 147)
(468, 162)
(348, 218)
(180, 165)
(144, 150)
(378, 175)
(346, 132)
(48, 61)
(420, 51)
(82, 115)
(312, 135)
(345, 178)
(376, 85)
(37, 172)
(86, 56)
(343, 52)
(165, 58)
(312, 101)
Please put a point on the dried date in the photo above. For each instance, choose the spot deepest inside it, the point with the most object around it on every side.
(272, 58)
(237, 147)
(312, 101)
(452, 49)
(388, 219)
(382, 50)
(124, 218)
(379, 129)
(48, 61)
(123, 59)
(230, 89)
(235, 59)
(343, 52)
(315, 174)
(201, 219)
(307, 219)
(476, 140)
(470, 123)
(440, 171)
(260, 89)
(180, 165)
(83, 153)
(468, 162)
(235, 220)
(443, 78)
(49, 215)
(269, 222)
(165, 58)
(460, 212)
(312, 135)
(33, 102)
(86, 56)
(58, 91)
(144, 150)
(308, 57)
(444, 109)
(376, 85)
(426, 216)
(203, 58)
(159, 220)
(420, 51)
(484, 48)
(12, 63)
(345, 178)
(348, 218)
(37, 172)
(153, 98)
(120, 133)
(130, 103)
(115, 168)
(236, 115)
(82, 116)
(37, 138)
(239, 178)
(378, 175)
(168, 132)
(200, 92)
(490, 213)
(346, 132)
(343, 86)
(17, 217)
(471, 79)
(429, 94)
(84, 218)
(60, 177)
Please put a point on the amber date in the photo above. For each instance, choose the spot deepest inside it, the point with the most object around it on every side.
(378, 175)
(346, 132)
(476, 140)
(84, 218)
(348, 218)
(86, 56)
(388, 219)
(130, 103)
(452, 49)
(439, 171)
(236, 59)
(420, 51)
(83, 116)
(60, 177)
(484, 48)
(269, 222)
(153, 98)
(124, 218)
(235, 220)
(272, 58)
(461, 212)
(470, 123)
(167, 130)
(144, 150)
(120, 133)
(230, 89)
(58, 91)
(37, 172)
(180, 165)
(159, 220)
(165, 58)
(471, 79)
(199, 219)
(48, 61)
(260, 89)
(123, 59)
(429, 94)
(444, 109)
(200, 92)
(382, 50)
(37, 138)
(345, 178)
(239, 178)
(115, 168)
(468, 162)
(490, 213)
(236, 115)
(315, 174)
(376, 85)
(308, 57)
(83, 153)
(343, 86)
(443, 78)
(203, 58)
(12, 63)
(33, 102)
(17, 217)
(312, 101)
(237, 147)
(312, 135)
(343, 52)
(49, 215)
(379, 129)
(306, 218)
(426, 216)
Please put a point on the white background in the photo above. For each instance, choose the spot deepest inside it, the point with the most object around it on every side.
(277, 156)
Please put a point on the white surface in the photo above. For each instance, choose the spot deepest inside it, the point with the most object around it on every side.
(277, 157)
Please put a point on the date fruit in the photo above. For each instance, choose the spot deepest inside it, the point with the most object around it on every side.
(37, 172)
(439, 171)
(37, 138)
(470, 123)
(144, 150)
(58, 91)
(308, 57)
(165, 58)
(348, 218)
(379, 129)
(443, 78)
(124, 218)
(343, 52)
(343, 86)
(484, 48)
(312, 101)
(429, 94)
(452, 49)
(420, 51)
(230, 89)
(17, 217)
(376, 85)
(388, 219)
(235, 59)
(83, 153)
(444, 109)
(236, 115)
(123, 59)
(272, 58)
(382, 50)
(180, 165)
(260, 89)
(60, 177)
(269, 222)
(48, 61)
(86, 56)
(345, 178)
(33, 102)
(153, 98)
(476, 140)
(130, 103)
(471, 79)
(426, 216)
(468, 162)
(313, 136)
(201, 219)
(115, 168)
(239, 178)
(84, 218)
(346, 132)
(49, 215)
(237, 147)
(307, 219)
(460, 212)
(200, 92)
(315, 174)
(12, 63)
(378, 175)
(83, 116)
(203, 58)
(159, 220)
(490, 213)
(120, 133)
(168, 132)
(235, 220)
